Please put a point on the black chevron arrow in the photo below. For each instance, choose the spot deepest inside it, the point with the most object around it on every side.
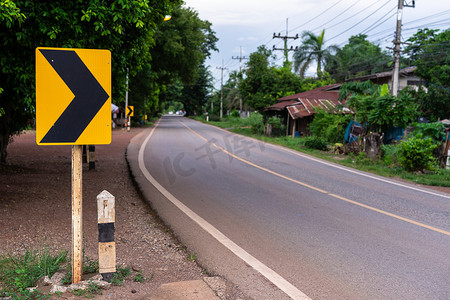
(130, 111)
(89, 96)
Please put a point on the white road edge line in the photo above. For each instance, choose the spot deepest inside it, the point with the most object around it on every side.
(265, 271)
(324, 162)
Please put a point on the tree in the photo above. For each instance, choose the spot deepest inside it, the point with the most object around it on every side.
(183, 44)
(195, 96)
(144, 92)
(312, 50)
(124, 27)
(231, 94)
(374, 106)
(429, 51)
(264, 84)
(357, 58)
(255, 87)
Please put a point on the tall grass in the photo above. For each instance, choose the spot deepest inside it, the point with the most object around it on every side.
(17, 273)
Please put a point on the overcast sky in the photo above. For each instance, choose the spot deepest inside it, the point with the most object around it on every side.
(244, 25)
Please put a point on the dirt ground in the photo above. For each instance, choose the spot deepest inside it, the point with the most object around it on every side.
(35, 212)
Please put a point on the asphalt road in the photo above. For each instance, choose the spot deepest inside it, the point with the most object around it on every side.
(282, 225)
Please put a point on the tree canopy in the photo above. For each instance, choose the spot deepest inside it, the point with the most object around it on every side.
(374, 106)
(429, 51)
(358, 57)
(183, 44)
(124, 27)
(312, 50)
(264, 84)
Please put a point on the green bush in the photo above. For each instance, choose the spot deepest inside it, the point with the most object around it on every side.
(316, 143)
(255, 122)
(432, 130)
(416, 154)
(235, 114)
(214, 118)
(329, 126)
(278, 129)
(389, 155)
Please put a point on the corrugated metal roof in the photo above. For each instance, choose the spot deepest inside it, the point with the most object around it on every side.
(308, 107)
(281, 105)
(303, 104)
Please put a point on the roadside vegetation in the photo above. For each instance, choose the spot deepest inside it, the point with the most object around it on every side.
(413, 158)
(20, 273)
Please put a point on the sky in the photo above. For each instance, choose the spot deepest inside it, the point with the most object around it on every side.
(242, 26)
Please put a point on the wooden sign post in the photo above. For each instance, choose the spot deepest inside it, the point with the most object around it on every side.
(77, 212)
(73, 107)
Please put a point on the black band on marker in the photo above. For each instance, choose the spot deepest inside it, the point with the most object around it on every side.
(106, 232)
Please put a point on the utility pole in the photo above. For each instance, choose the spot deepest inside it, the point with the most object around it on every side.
(240, 57)
(128, 119)
(221, 89)
(397, 42)
(285, 38)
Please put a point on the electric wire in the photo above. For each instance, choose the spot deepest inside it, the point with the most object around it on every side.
(379, 21)
(351, 27)
(354, 15)
(337, 16)
(301, 25)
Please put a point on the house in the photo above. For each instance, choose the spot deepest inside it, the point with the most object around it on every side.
(297, 111)
(407, 78)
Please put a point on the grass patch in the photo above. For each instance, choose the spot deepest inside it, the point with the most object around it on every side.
(192, 256)
(138, 277)
(92, 290)
(17, 273)
(121, 274)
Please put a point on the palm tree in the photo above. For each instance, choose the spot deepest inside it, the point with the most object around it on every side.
(312, 49)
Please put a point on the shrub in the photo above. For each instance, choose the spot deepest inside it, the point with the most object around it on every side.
(329, 126)
(214, 118)
(235, 114)
(278, 129)
(432, 130)
(389, 155)
(416, 154)
(315, 143)
(255, 122)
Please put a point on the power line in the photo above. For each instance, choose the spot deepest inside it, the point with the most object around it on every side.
(386, 3)
(378, 23)
(348, 18)
(315, 17)
(430, 16)
(329, 21)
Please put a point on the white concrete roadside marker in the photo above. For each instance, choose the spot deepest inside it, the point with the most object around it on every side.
(106, 229)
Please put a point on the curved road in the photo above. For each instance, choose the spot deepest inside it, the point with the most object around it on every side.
(281, 225)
